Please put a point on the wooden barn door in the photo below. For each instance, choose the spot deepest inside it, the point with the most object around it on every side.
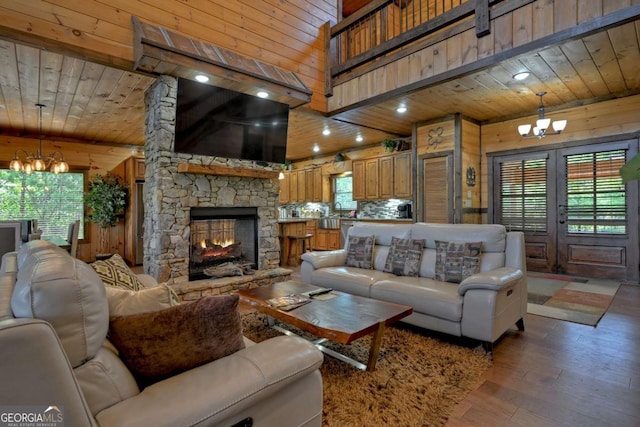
(436, 188)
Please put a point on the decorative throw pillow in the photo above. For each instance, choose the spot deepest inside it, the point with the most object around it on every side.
(123, 302)
(455, 261)
(161, 344)
(360, 251)
(404, 257)
(115, 272)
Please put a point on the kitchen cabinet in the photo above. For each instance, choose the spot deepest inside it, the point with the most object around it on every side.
(372, 179)
(293, 186)
(382, 178)
(402, 172)
(327, 239)
(302, 186)
(358, 180)
(284, 196)
(385, 183)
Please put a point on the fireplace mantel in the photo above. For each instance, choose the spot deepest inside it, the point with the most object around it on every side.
(226, 171)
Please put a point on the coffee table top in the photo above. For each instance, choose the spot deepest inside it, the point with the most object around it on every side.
(343, 318)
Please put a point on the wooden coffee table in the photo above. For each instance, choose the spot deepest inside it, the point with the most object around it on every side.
(343, 319)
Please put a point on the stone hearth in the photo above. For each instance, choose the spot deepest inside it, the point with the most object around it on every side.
(170, 194)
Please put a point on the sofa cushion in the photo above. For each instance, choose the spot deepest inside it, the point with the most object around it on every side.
(163, 343)
(123, 302)
(455, 261)
(105, 380)
(53, 286)
(355, 281)
(404, 257)
(427, 296)
(360, 251)
(115, 272)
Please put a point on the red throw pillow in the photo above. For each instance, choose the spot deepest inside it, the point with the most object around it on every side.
(161, 344)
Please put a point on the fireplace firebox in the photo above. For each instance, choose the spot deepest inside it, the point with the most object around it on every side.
(222, 235)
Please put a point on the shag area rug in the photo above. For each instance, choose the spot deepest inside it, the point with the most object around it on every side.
(417, 381)
(574, 299)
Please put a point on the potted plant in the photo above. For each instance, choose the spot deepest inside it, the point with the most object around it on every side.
(288, 165)
(106, 199)
(389, 145)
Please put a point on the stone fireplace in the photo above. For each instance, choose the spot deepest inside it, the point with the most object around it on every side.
(171, 197)
(220, 236)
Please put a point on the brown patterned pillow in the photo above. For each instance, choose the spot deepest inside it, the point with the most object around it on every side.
(404, 257)
(160, 344)
(115, 272)
(455, 261)
(360, 251)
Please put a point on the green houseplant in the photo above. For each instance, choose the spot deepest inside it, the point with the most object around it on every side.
(389, 145)
(106, 199)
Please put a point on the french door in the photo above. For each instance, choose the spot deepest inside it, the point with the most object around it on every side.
(577, 215)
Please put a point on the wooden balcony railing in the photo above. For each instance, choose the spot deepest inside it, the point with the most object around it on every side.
(384, 26)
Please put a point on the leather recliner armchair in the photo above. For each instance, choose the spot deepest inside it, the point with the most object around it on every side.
(54, 352)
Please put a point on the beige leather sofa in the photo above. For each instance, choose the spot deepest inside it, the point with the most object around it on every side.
(53, 351)
(481, 307)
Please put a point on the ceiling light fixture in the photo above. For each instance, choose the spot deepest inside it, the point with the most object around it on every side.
(38, 162)
(401, 109)
(522, 75)
(262, 94)
(326, 132)
(359, 138)
(202, 78)
(316, 148)
(542, 124)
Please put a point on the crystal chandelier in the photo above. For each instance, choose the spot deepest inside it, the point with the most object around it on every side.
(37, 162)
(540, 130)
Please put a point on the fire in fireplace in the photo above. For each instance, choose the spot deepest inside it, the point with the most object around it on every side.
(222, 235)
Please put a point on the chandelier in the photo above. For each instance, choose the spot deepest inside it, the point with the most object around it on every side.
(540, 130)
(37, 162)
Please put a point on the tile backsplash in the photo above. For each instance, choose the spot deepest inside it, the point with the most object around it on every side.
(379, 209)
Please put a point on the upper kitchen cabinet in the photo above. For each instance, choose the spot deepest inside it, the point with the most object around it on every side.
(302, 186)
(382, 178)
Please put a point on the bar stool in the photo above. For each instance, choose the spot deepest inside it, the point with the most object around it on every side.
(293, 243)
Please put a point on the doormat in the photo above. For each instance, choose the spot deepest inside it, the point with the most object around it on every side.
(574, 299)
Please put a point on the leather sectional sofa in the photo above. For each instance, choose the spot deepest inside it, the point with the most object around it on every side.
(58, 355)
(482, 306)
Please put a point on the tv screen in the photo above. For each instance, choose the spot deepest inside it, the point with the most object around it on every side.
(219, 122)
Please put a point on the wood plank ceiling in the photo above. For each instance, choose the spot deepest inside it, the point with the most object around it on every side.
(99, 105)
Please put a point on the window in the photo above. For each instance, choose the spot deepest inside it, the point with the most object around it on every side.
(343, 193)
(596, 198)
(54, 200)
(523, 195)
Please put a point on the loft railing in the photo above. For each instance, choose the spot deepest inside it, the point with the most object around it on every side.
(384, 26)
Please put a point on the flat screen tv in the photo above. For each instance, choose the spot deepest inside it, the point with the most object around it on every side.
(219, 122)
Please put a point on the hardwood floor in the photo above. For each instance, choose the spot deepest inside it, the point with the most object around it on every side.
(559, 373)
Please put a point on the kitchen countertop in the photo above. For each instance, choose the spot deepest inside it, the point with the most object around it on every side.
(293, 220)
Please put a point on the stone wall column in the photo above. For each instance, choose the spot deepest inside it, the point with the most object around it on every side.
(160, 101)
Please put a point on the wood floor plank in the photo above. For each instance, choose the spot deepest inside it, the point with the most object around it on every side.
(559, 373)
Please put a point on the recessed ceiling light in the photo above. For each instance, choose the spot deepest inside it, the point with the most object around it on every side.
(401, 109)
(262, 94)
(359, 138)
(326, 132)
(522, 75)
(316, 148)
(202, 78)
